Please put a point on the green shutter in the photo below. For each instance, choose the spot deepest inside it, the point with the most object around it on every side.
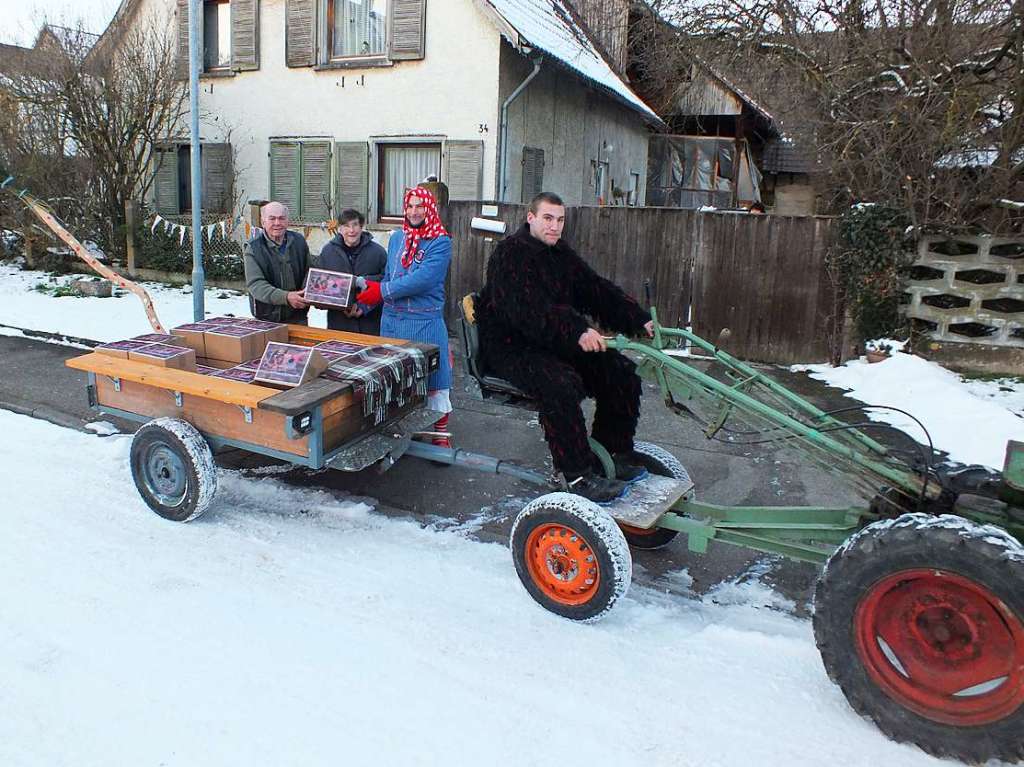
(165, 183)
(245, 34)
(218, 187)
(316, 181)
(352, 176)
(464, 164)
(285, 159)
(299, 31)
(407, 29)
(181, 62)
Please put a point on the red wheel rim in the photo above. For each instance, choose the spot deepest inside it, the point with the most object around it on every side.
(562, 564)
(943, 646)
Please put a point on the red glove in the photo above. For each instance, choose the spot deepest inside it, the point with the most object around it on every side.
(371, 294)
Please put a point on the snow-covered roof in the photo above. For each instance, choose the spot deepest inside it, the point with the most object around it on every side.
(550, 26)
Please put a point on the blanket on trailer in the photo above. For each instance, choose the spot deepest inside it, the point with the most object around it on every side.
(383, 375)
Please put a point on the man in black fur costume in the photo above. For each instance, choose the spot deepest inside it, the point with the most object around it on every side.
(534, 331)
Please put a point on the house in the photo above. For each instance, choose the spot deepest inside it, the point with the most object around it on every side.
(329, 104)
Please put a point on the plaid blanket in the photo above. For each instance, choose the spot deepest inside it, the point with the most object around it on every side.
(384, 374)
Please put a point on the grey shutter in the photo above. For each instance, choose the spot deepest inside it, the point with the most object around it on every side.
(181, 62)
(352, 176)
(245, 34)
(407, 29)
(284, 174)
(464, 164)
(299, 33)
(165, 183)
(533, 172)
(218, 179)
(316, 181)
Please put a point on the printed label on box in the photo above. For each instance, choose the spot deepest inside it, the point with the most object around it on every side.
(132, 345)
(288, 364)
(328, 288)
(236, 374)
(161, 351)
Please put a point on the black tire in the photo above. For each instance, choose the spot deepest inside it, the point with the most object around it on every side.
(920, 621)
(173, 469)
(658, 461)
(571, 556)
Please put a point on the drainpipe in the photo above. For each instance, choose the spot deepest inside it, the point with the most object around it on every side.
(503, 166)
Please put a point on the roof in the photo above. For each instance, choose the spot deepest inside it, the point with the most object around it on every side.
(785, 155)
(551, 26)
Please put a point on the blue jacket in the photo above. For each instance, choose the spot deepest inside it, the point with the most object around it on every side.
(420, 288)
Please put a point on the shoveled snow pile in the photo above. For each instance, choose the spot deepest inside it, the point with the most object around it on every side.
(971, 420)
(289, 626)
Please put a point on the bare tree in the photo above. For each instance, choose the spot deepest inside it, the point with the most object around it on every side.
(915, 103)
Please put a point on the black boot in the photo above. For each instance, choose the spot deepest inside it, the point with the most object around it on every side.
(595, 488)
(627, 467)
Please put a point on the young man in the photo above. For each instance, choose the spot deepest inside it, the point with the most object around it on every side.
(413, 294)
(534, 332)
(276, 263)
(353, 250)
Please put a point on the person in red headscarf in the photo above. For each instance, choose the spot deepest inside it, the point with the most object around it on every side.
(412, 291)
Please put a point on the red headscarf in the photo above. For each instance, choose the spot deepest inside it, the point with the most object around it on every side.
(431, 228)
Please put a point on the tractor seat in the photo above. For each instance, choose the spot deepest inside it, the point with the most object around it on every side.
(490, 386)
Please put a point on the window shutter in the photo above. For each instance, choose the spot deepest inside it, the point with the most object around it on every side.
(407, 29)
(165, 183)
(464, 164)
(181, 63)
(352, 176)
(299, 28)
(217, 178)
(245, 34)
(284, 174)
(533, 172)
(316, 181)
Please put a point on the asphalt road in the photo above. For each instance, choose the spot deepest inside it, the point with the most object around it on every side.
(36, 382)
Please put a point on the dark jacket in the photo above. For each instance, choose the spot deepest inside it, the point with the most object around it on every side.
(368, 259)
(271, 275)
(538, 297)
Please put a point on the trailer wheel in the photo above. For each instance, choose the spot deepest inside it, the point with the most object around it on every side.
(571, 556)
(658, 461)
(920, 621)
(173, 469)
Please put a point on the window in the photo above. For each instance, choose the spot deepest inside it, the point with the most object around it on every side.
(402, 166)
(172, 181)
(300, 177)
(357, 28)
(216, 34)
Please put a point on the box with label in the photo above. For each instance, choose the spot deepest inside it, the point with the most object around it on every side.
(242, 375)
(205, 370)
(275, 330)
(191, 335)
(289, 365)
(164, 355)
(121, 348)
(222, 320)
(233, 343)
(161, 338)
(215, 364)
(329, 290)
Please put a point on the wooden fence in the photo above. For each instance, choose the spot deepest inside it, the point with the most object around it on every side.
(763, 277)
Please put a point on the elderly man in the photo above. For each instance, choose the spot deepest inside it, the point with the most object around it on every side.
(534, 316)
(276, 263)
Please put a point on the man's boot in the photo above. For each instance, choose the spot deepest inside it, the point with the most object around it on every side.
(596, 488)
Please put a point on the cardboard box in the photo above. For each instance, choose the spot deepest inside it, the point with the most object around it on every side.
(215, 364)
(164, 355)
(121, 348)
(205, 369)
(275, 330)
(161, 338)
(329, 290)
(289, 365)
(234, 344)
(191, 335)
(242, 375)
(222, 320)
(249, 364)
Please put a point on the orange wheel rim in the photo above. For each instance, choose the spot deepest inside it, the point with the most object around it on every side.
(562, 564)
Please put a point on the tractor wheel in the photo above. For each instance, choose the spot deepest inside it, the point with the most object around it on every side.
(661, 462)
(920, 621)
(173, 469)
(571, 556)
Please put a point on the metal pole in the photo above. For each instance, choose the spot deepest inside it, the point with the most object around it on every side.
(503, 160)
(198, 277)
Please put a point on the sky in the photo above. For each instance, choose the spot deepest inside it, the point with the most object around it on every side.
(20, 19)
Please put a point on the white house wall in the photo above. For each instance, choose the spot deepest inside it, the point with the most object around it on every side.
(450, 93)
(575, 126)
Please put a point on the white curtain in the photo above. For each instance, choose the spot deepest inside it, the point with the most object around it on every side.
(404, 167)
(359, 27)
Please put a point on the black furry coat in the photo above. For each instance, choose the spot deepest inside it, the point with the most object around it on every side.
(538, 297)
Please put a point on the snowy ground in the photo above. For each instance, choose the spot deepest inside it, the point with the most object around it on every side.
(970, 419)
(289, 627)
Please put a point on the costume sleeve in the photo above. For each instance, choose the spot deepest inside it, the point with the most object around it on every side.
(430, 272)
(258, 285)
(521, 300)
(605, 301)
